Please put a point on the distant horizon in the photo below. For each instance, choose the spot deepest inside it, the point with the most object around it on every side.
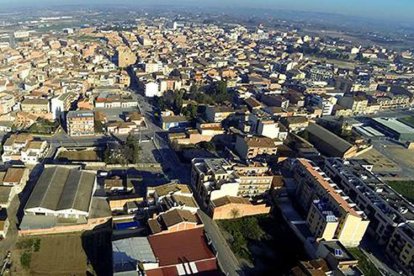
(397, 11)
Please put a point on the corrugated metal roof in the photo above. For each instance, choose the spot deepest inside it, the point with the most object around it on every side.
(61, 188)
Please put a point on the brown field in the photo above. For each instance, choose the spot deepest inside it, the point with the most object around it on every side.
(60, 254)
(80, 155)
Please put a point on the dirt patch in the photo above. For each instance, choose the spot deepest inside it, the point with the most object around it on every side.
(81, 155)
(60, 254)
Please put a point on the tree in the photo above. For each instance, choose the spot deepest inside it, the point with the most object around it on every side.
(26, 259)
(132, 149)
(178, 102)
(190, 111)
(235, 213)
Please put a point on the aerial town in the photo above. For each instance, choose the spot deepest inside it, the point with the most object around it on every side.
(178, 145)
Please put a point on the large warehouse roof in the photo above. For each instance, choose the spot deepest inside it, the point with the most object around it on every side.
(395, 125)
(61, 188)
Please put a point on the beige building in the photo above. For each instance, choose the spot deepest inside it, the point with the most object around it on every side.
(358, 104)
(125, 56)
(216, 114)
(80, 123)
(250, 147)
(255, 179)
(331, 214)
(390, 213)
(35, 106)
(7, 102)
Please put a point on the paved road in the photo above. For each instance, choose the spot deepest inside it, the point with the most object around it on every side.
(226, 259)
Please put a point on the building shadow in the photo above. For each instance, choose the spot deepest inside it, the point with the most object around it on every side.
(97, 245)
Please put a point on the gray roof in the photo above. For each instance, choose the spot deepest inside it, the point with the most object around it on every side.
(127, 253)
(37, 222)
(329, 137)
(61, 188)
(80, 113)
(395, 124)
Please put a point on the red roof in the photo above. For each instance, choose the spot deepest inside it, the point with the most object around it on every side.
(180, 247)
(204, 268)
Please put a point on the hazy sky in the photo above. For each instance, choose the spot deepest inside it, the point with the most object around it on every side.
(397, 10)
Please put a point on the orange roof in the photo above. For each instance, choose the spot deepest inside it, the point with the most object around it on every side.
(329, 189)
(14, 175)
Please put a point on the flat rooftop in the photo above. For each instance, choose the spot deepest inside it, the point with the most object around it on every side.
(395, 125)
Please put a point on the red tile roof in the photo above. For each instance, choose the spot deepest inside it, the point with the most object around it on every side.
(180, 247)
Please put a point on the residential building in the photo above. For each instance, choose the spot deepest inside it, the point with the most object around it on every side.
(22, 147)
(7, 103)
(61, 104)
(339, 258)
(358, 104)
(251, 147)
(174, 220)
(255, 179)
(125, 57)
(331, 213)
(270, 129)
(213, 178)
(37, 107)
(152, 89)
(174, 122)
(391, 215)
(216, 114)
(80, 123)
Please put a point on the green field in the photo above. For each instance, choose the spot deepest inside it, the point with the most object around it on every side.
(264, 242)
(364, 263)
(405, 188)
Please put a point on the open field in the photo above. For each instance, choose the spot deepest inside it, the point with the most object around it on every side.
(60, 254)
(80, 155)
(80, 253)
(405, 188)
(264, 244)
(364, 263)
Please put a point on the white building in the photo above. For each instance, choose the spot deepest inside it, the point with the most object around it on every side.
(213, 178)
(152, 90)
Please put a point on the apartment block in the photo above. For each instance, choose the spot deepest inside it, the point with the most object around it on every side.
(213, 178)
(251, 147)
(80, 123)
(331, 213)
(255, 179)
(391, 215)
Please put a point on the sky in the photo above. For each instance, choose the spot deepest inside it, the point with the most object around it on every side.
(396, 10)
